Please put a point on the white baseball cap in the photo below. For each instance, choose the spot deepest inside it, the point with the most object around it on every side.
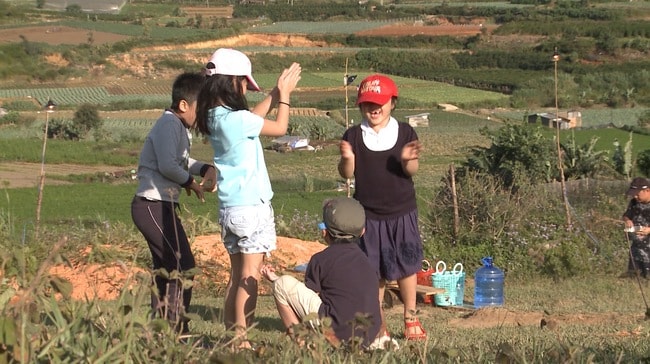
(231, 62)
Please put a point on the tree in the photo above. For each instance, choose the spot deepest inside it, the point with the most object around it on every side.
(644, 119)
(582, 161)
(643, 162)
(87, 118)
(519, 153)
(622, 158)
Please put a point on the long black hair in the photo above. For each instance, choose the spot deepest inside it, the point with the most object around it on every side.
(219, 90)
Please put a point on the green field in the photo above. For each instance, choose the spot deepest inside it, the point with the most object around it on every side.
(424, 93)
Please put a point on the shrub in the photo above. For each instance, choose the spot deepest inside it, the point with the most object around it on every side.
(16, 118)
(87, 118)
(523, 229)
(643, 162)
(63, 129)
(519, 154)
(20, 105)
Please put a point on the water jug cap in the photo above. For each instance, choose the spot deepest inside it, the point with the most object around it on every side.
(487, 261)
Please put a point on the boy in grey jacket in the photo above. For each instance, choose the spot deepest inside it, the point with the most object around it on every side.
(164, 168)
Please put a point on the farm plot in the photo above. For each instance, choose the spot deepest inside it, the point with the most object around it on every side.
(72, 96)
(91, 6)
(60, 95)
(590, 117)
(57, 34)
(323, 27)
(133, 128)
(399, 30)
(207, 12)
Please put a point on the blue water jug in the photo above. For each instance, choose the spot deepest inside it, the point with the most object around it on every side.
(488, 285)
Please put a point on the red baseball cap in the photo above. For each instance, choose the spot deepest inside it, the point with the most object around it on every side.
(377, 89)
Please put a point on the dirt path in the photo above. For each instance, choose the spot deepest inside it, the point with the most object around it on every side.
(20, 174)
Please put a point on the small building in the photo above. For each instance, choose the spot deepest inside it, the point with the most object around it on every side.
(418, 119)
(566, 120)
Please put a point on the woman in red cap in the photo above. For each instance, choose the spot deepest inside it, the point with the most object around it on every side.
(382, 155)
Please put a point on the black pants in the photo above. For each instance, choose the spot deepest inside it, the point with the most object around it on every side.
(170, 249)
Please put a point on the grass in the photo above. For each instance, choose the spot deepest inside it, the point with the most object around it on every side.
(599, 318)
(61, 151)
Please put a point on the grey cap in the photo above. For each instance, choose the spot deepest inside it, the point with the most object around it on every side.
(344, 217)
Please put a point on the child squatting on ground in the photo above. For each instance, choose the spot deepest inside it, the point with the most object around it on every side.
(637, 224)
(164, 168)
(340, 283)
(382, 156)
(244, 188)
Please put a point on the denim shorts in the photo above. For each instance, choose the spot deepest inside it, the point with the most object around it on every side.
(248, 229)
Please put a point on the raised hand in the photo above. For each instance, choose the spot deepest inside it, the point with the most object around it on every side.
(346, 150)
(288, 80)
(411, 150)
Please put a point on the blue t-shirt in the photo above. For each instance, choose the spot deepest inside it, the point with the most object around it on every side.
(243, 179)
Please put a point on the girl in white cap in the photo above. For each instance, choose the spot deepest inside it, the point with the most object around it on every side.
(243, 185)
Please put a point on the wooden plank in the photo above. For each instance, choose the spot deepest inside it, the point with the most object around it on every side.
(422, 289)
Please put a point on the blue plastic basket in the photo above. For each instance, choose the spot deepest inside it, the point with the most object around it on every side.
(452, 281)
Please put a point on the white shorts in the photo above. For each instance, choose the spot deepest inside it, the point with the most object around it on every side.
(248, 229)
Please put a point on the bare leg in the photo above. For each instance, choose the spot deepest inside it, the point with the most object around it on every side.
(382, 288)
(231, 291)
(245, 298)
(289, 317)
(251, 278)
(407, 290)
(287, 314)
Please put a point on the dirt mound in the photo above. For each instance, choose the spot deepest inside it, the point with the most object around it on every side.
(105, 282)
(242, 40)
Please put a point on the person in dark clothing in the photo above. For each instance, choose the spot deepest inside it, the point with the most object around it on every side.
(382, 155)
(164, 169)
(340, 283)
(637, 226)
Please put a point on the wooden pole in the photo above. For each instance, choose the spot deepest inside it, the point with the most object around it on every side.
(565, 199)
(49, 108)
(454, 195)
(348, 182)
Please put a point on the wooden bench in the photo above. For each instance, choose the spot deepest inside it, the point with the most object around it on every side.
(392, 292)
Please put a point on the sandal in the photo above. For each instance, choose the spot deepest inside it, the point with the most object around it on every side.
(414, 323)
